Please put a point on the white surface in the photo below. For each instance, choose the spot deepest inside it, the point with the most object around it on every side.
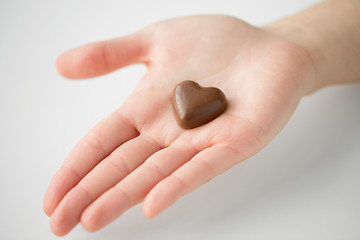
(304, 185)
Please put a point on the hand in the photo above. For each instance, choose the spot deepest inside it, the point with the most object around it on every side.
(139, 153)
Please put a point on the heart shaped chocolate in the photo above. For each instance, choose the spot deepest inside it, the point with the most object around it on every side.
(195, 106)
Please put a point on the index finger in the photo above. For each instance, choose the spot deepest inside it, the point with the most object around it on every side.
(98, 143)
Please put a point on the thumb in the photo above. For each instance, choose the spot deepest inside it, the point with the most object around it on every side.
(95, 59)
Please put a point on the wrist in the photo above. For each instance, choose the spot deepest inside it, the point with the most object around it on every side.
(330, 33)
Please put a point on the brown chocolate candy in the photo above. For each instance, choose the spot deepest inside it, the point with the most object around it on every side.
(195, 106)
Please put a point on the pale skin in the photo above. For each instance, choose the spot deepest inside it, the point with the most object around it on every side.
(139, 153)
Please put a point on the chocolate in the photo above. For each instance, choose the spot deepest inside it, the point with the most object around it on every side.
(195, 106)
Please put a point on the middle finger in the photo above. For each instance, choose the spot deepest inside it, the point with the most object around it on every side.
(133, 188)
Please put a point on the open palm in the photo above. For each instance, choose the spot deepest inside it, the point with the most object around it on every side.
(139, 153)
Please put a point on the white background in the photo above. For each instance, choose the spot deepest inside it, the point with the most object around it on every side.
(304, 185)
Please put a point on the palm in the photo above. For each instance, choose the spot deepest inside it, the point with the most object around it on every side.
(140, 152)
